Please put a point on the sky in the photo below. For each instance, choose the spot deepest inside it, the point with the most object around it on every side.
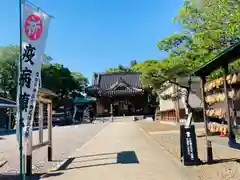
(92, 35)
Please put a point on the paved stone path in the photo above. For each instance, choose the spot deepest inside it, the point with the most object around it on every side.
(119, 152)
(65, 140)
(226, 160)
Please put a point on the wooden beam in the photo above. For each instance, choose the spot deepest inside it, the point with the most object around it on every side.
(203, 95)
(50, 132)
(40, 145)
(227, 110)
(209, 157)
(40, 122)
(228, 55)
(44, 100)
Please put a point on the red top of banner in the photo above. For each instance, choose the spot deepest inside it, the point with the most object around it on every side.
(33, 27)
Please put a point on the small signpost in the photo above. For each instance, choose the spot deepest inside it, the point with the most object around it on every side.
(111, 112)
(189, 154)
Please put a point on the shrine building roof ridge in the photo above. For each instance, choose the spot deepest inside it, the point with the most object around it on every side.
(130, 72)
(105, 82)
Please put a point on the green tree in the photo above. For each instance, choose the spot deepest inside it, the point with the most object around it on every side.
(47, 59)
(145, 65)
(208, 28)
(55, 77)
(81, 80)
(9, 56)
(211, 26)
(120, 68)
(63, 82)
(82, 83)
(133, 63)
(59, 79)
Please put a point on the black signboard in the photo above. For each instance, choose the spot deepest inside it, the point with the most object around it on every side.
(189, 154)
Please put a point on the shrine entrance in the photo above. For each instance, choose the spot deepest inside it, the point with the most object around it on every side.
(120, 108)
(119, 94)
(126, 107)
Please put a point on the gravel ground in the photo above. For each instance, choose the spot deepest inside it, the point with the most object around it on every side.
(227, 159)
(155, 126)
(65, 140)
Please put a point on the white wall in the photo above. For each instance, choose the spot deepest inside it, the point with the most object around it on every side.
(166, 104)
(194, 98)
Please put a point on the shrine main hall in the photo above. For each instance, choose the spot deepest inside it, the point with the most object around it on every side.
(119, 92)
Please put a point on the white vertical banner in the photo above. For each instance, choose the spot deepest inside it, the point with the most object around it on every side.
(34, 34)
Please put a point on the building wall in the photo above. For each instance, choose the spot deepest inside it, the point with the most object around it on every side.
(167, 107)
(3, 119)
(135, 101)
(100, 108)
(169, 115)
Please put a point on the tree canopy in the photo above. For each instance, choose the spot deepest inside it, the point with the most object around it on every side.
(55, 77)
(208, 27)
(8, 70)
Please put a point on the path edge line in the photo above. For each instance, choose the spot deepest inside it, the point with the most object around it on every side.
(174, 159)
(58, 166)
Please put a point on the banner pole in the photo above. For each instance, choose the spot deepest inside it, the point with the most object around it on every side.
(39, 8)
(20, 121)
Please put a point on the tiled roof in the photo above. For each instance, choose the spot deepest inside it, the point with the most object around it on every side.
(46, 91)
(6, 103)
(106, 80)
(121, 92)
(108, 83)
(79, 100)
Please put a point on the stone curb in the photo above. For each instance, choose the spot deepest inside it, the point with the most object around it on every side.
(168, 123)
(174, 159)
(162, 147)
(172, 131)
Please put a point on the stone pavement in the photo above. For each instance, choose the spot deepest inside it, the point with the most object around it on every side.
(121, 151)
(226, 160)
(75, 136)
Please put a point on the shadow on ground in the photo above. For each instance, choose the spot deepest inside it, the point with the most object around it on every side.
(124, 157)
(201, 136)
(219, 161)
(33, 177)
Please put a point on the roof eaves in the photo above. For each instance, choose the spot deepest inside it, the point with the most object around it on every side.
(47, 91)
(8, 106)
(112, 73)
(198, 71)
(165, 86)
(5, 99)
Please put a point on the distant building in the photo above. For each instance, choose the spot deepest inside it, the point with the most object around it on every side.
(121, 91)
(172, 109)
(7, 118)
